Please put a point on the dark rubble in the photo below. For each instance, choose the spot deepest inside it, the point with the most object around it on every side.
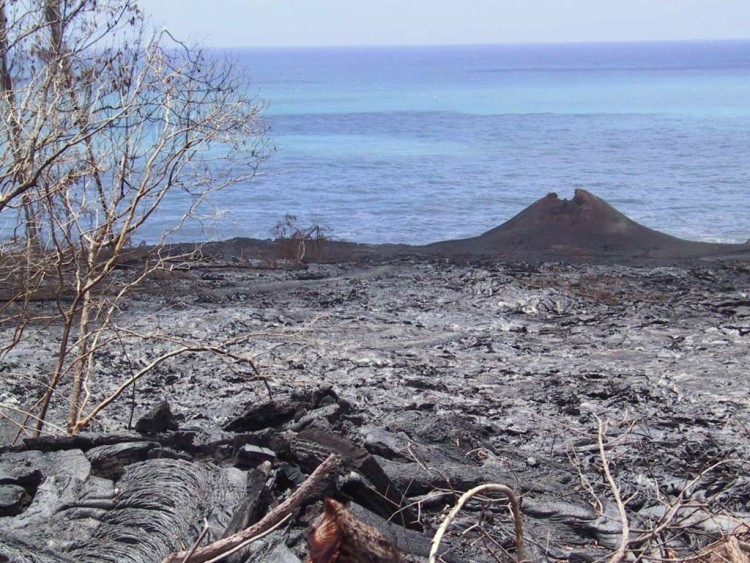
(432, 376)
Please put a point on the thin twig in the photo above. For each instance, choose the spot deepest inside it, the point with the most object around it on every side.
(250, 540)
(29, 416)
(197, 542)
(667, 519)
(622, 550)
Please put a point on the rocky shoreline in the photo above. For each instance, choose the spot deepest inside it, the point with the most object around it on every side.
(435, 376)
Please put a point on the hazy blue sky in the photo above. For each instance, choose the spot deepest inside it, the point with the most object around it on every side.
(406, 22)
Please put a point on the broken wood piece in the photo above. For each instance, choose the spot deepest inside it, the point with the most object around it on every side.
(373, 489)
(340, 537)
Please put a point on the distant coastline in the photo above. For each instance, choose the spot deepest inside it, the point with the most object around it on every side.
(412, 145)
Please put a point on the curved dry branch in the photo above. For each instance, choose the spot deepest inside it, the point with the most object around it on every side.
(196, 348)
(490, 487)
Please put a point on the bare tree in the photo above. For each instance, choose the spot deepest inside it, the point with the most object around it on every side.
(295, 240)
(102, 122)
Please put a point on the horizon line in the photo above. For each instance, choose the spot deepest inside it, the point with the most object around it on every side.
(481, 44)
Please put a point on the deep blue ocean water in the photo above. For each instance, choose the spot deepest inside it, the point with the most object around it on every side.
(418, 144)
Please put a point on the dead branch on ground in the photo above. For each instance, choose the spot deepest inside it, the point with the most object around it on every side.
(468, 495)
(621, 552)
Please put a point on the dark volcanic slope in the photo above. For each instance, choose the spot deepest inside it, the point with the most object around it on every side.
(585, 228)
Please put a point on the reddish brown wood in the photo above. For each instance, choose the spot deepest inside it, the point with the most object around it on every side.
(339, 537)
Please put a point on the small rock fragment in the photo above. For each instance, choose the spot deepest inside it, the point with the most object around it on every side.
(157, 420)
(12, 500)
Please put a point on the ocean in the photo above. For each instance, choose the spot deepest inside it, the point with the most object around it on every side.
(420, 144)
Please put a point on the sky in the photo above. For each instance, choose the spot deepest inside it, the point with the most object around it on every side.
(284, 23)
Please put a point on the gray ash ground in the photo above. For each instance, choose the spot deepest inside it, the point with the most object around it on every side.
(457, 374)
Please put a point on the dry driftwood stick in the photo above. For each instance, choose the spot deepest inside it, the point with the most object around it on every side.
(330, 467)
(490, 487)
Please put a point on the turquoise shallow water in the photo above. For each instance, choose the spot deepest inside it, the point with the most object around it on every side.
(421, 144)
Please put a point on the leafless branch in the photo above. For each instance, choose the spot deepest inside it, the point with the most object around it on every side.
(621, 552)
(468, 495)
(101, 120)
